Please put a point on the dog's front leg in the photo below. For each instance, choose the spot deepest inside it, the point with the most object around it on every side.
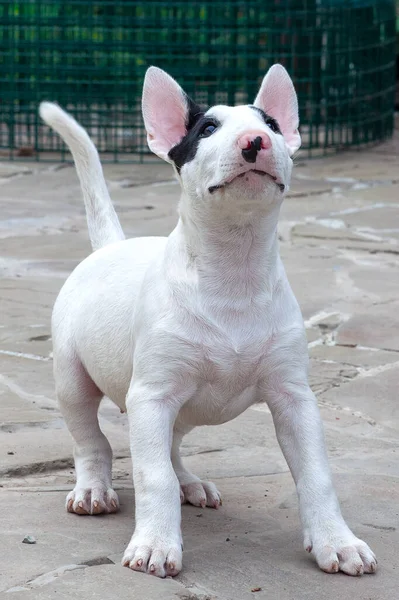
(300, 434)
(156, 545)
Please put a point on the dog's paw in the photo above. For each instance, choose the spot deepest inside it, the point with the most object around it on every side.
(162, 558)
(201, 493)
(92, 501)
(345, 552)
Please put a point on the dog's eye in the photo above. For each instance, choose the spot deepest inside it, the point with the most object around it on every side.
(208, 129)
(272, 123)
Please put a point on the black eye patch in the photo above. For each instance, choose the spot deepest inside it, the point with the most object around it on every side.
(186, 149)
(269, 121)
(208, 129)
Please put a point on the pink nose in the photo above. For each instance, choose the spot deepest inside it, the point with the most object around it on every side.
(245, 141)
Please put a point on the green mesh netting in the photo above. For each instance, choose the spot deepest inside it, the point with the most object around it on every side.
(91, 56)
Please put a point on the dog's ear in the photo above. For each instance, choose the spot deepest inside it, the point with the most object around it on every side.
(277, 97)
(165, 112)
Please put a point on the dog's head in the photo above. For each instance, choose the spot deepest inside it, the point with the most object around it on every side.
(242, 151)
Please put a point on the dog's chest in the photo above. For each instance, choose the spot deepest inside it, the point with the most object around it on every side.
(227, 378)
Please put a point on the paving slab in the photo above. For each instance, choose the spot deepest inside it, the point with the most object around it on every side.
(373, 394)
(377, 327)
(253, 541)
(99, 581)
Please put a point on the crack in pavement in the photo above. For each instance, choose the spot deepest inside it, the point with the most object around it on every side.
(364, 372)
(57, 423)
(45, 578)
(356, 247)
(21, 393)
(39, 467)
(189, 591)
(26, 355)
(50, 576)
(381, 527)
(46, 466)
(346, 409)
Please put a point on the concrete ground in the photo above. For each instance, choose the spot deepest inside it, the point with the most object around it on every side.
(340, 243)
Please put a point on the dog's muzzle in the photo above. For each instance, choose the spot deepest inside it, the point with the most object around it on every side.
(214, 188)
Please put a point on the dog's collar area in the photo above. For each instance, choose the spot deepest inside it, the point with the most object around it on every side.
(281, 186)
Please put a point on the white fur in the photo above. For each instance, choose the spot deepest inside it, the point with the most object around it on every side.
(104, 226)
(191, 330)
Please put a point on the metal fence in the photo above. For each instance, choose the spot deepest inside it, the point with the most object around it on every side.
(91, 56)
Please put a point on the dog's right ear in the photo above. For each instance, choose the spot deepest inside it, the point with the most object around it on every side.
(165, 112)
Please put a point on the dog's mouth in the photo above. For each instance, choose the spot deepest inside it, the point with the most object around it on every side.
(220, 186)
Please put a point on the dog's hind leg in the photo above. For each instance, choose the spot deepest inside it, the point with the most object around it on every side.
(192, 489)
(79, 400)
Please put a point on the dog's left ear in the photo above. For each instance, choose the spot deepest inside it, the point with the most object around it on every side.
(277, 97)
(165, 112)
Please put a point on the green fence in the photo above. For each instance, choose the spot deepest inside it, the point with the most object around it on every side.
(91, 56)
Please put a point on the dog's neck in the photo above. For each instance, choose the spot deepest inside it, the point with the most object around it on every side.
(233, 256)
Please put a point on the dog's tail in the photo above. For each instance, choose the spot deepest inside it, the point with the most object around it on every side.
(103, 223)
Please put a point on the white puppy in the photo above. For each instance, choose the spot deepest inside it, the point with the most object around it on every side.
(194, 328)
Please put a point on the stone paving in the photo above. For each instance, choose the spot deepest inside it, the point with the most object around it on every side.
(339, 235)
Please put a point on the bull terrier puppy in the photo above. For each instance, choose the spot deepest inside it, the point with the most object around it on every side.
(193, 328)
